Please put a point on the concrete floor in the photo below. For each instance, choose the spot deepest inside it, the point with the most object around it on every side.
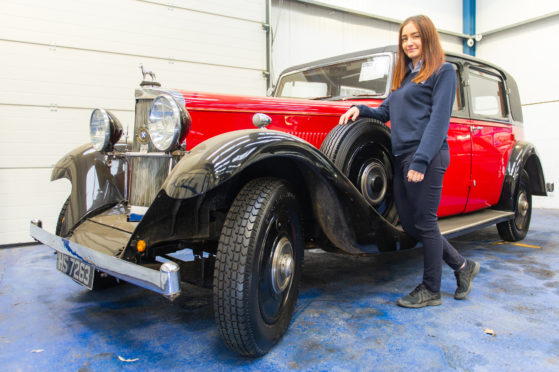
(346, 317)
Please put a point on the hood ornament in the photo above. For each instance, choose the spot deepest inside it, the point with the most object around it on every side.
(146, 82)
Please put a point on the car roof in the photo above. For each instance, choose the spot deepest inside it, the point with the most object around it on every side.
(511, 83)
(388, 48)
(342, 57)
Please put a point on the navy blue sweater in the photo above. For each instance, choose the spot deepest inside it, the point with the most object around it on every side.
(419, 115)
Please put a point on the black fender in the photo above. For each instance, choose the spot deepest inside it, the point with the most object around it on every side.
(96, 184)
(523, 156)
(210, 175)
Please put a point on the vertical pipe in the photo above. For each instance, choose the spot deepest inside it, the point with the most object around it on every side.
(268, 28)
(469, 25)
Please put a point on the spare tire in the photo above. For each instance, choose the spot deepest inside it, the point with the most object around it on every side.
(363, 152)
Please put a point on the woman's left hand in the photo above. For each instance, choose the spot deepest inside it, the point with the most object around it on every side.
(415, 176)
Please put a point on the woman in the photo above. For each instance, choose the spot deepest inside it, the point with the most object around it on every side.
(419, 108)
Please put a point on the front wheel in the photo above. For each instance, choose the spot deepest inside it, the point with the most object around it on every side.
(516, 229)
(61, 229)
(258, 267)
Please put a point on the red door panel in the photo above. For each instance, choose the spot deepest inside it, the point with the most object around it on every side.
(491, 146)
(457, 177)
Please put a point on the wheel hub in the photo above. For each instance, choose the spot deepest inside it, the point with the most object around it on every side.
(523, 204)
(283, 265)
(374, 183)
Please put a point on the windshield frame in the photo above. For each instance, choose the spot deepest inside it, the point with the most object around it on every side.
(341, 61)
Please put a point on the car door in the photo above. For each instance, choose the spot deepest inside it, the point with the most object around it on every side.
(456, 183)
(491, 134)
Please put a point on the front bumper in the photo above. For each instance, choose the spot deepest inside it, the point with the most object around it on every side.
(165, 281)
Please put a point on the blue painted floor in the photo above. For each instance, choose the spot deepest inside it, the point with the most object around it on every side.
(346, 317)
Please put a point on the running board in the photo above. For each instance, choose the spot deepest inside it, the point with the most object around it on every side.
(462, 224)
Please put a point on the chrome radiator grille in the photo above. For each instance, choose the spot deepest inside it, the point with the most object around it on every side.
(147, 177)
(147, 173)
(141, 121)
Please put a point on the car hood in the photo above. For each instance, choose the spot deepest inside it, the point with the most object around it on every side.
(197, 101)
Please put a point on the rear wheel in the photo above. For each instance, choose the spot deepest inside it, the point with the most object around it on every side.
(362, 151)
(516, 229)
(258, 266)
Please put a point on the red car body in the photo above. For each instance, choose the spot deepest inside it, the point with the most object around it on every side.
(478, 156)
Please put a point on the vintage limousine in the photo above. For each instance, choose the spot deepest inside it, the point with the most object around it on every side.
(246, 184)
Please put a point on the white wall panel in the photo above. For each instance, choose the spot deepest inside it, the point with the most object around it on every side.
(26, 194)
(542, 130)
(446, 15)
(451, 43)
(246, 9)
(137, 28)
(40, 136)
(67, 77)
(526, 53)
(304, 32)
(62, 58)
(493, 14)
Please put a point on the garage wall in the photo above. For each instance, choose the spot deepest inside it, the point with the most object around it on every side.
(305, 31)
(526, 52)
(62, 58)
(445, 14)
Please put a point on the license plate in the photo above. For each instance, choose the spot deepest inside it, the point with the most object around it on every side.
(79, 271)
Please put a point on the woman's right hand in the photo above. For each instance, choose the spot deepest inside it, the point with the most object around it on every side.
(352, 114)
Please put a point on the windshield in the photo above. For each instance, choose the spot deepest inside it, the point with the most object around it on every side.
(368, 76)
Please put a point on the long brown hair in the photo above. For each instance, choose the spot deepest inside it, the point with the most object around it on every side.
(432, 56)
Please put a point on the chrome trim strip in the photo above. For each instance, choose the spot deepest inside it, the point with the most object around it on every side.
(165, 281)
(148, 154)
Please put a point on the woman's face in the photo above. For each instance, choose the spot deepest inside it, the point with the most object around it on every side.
(411, 42)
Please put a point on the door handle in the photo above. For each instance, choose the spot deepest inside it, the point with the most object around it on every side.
(475, 127)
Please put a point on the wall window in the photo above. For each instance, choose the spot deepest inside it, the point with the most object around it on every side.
(488, 94)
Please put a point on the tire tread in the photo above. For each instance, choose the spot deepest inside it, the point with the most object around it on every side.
(230, 282)
(62, 216)
(335, 142)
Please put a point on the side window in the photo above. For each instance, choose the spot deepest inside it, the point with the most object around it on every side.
(487, 94)
(458, 106)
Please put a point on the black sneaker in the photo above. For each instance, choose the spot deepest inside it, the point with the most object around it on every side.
(464, 279)
(421, 297)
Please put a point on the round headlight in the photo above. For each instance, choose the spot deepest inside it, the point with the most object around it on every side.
(168, 123)
(104, 129)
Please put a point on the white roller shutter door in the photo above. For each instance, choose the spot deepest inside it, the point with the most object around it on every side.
(59, 59)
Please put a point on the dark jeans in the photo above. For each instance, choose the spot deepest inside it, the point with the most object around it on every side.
(417, 205)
